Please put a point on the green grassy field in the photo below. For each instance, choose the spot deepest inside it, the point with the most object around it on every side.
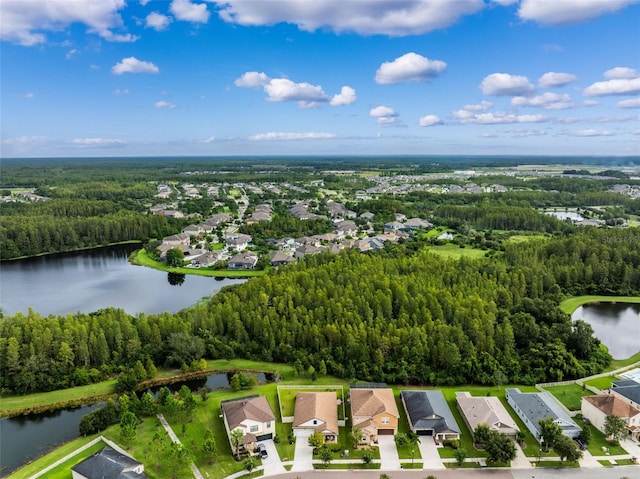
(523, 238)
(453, 251)
(62, 471)
(621, 363)
(569, 395)
(601, 383)
(569, 305)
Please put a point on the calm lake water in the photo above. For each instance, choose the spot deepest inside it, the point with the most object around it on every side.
(616, 325)
(89, 280)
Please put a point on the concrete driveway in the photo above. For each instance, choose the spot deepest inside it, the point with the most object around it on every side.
(272, 464)
(303, 457)
(429, 451)
(389, 459)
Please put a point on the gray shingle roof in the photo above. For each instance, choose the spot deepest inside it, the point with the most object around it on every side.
(541, 405)
(429, 410)
(108, 464)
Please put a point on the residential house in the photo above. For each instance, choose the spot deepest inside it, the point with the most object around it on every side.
(253, 416)
(108, 463)
(305, 250)
(417, 223)
(207, 259)
(629, 390)
(487, 410)
(278, 258)
(237, 241)
(346, 228)
(367, 215)
(316, 412)
(392, 227)
(246, 260)
(177, 240)
(597, 408)
(192, 230)
(429, 414)
(401, 217)
(535, 406)
(374, 412)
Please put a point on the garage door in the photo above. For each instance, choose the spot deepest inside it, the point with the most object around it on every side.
(425, 432)
(264, 437)
(385, 432)
(303, 433)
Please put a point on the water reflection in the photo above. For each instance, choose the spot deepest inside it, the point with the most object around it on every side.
(616, 325)
(175, 279)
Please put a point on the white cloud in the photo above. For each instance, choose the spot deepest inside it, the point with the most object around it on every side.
(121, 92)
(252, 80)
(633, 103)
(387, 17)
(620, 73)
(70, 54)
(592, 132)
(157, 21)
(25, 21)
(504, 84)
(384, 115)
(190, 12)
(429, 120)
(548, 101)
(482, 106)
(498, 117)
(133, 65)
(553, 79)
(292, 136)
(619, 86)
(98, 142)
(409, 67)
(211, 139)
(568, 11)
(144, 2)
(164, 104)
(590, 102)
(283, 89)
(347, 96)
(523, 132)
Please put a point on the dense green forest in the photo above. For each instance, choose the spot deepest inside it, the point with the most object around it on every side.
(401, 315)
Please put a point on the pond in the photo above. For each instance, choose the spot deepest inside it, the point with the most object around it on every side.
(24, 438)
(90, 280)
(566, 215)
(617, 325)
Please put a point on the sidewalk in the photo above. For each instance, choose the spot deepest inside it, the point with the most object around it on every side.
(196, 472)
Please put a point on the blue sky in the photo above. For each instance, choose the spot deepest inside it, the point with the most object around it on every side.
(335, 77)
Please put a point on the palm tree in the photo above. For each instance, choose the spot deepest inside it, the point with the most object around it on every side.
(355, 436)
(236, 440)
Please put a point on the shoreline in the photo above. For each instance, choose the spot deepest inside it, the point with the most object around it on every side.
(569, 305)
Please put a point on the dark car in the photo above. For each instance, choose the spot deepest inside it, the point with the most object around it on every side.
(581, 444)
(262, 450)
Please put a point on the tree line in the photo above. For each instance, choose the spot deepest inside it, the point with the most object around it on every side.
(402, 315)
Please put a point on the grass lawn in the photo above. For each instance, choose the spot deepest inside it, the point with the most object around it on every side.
(63, 470)
(569, 395)
(601, 383)
(404, 452)
(55, 397)
(453, 251)
(408, 465)
(523, 238)
(621, 363)
(465, 465)
(605, 462)
(569, 305)
(355, 465)
(598, 444)
(557, 464)
(625, 462)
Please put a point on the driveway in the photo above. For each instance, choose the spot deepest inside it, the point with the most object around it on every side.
(521, 461)
(303, 457)
(272, 464)
(429, 451)
(388, 454)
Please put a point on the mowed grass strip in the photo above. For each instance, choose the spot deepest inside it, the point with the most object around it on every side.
(569, 305)
(452, 251)
(569, 395)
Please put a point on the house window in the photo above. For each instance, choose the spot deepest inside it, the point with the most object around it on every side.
(268, 424)
(315, 422)
(385, 420)
(254, 429)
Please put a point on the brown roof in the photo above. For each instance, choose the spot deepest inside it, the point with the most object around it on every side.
(317, 405)
(371, 402)
(256, 408)
(612, 405)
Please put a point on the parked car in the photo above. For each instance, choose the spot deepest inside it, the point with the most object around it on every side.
(262, 450)
(581, 444)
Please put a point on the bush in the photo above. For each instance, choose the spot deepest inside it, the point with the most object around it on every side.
(452, 443)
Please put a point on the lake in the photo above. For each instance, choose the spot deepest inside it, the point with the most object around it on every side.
(616, 325)
(565, 215)
(86, 281)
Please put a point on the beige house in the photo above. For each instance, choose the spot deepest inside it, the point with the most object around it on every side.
(597, 408)
(253, 416)
(374, 411)
(486, 410)
(316, 412)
